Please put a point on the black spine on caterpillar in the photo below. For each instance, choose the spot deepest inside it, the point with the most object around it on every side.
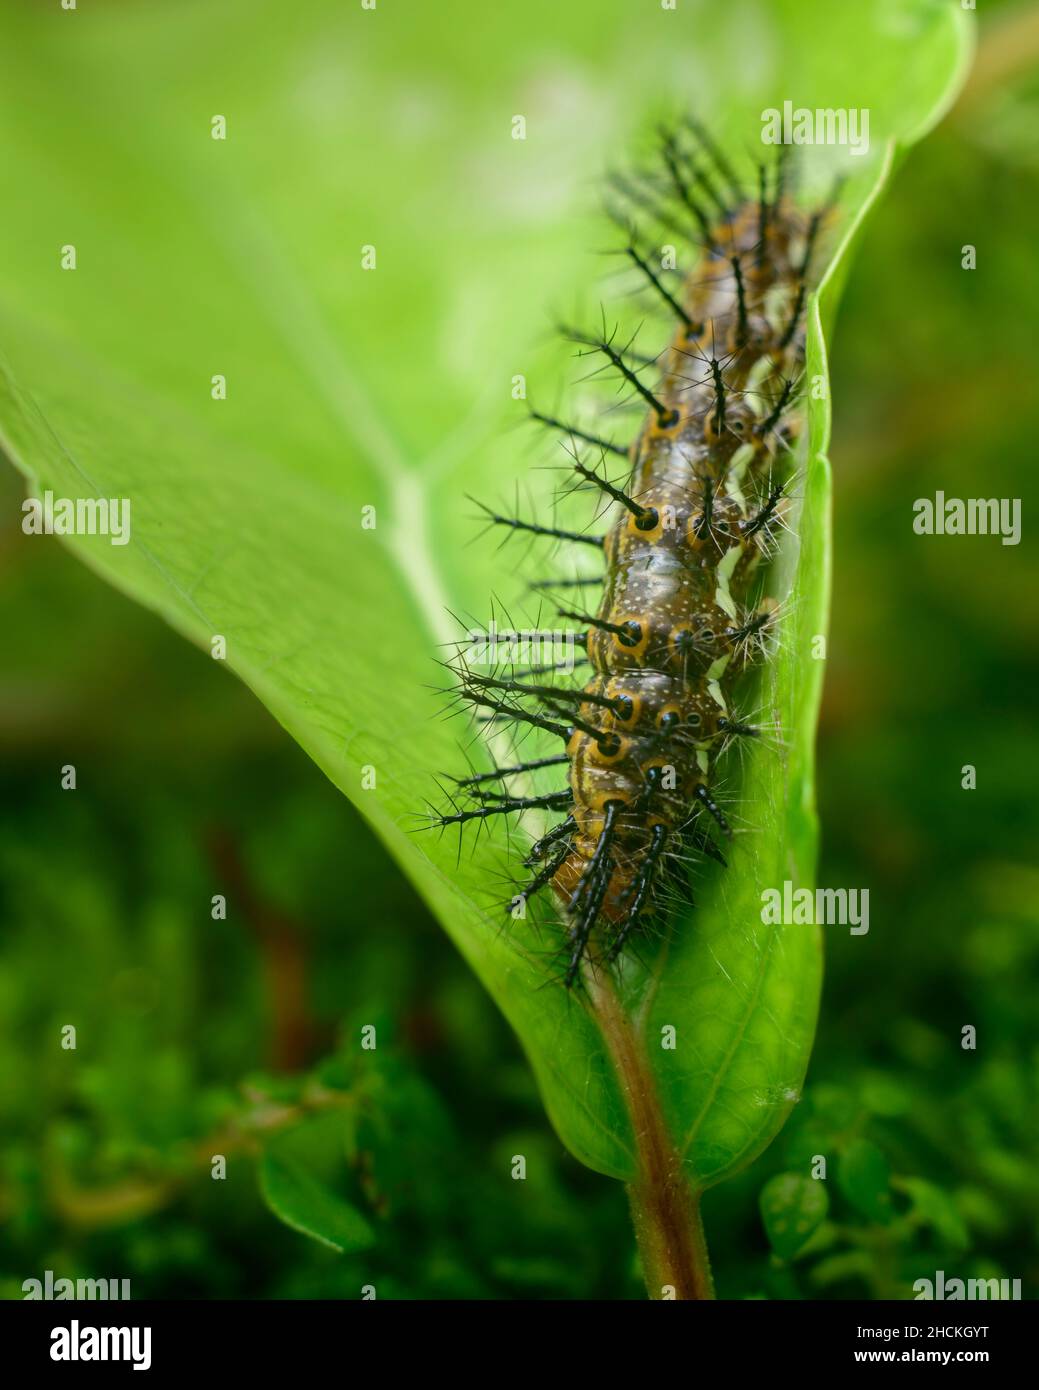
(694, 517)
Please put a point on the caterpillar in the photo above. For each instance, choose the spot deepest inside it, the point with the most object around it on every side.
(682, 613)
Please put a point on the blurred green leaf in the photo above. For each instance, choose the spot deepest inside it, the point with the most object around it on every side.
(937, 1209)
(792, 1207)
(835, 1269)
(864, 1177)
(304, 1204)
(349, 388)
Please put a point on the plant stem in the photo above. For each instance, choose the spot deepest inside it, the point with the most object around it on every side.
(665, 1209)
(666, 1217)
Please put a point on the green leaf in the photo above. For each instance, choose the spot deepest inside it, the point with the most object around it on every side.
(936, 1209)
(307, 1206)
(848, 1265)
(391, 388)
(792, 1207)
(864, 1177)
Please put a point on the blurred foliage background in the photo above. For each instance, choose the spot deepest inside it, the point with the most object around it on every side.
(199, 1036)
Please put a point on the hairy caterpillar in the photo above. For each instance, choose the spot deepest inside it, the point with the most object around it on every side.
(681, 615)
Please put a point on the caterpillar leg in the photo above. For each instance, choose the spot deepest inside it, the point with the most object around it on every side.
(499, 773)
(581, 930)
(640, 892)
(734, 727)
(755, 523)
(515, 524)
(587, 897)
(557, 833)
(552, 801)
(706, 799)
(543, 876)
(607, 445)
